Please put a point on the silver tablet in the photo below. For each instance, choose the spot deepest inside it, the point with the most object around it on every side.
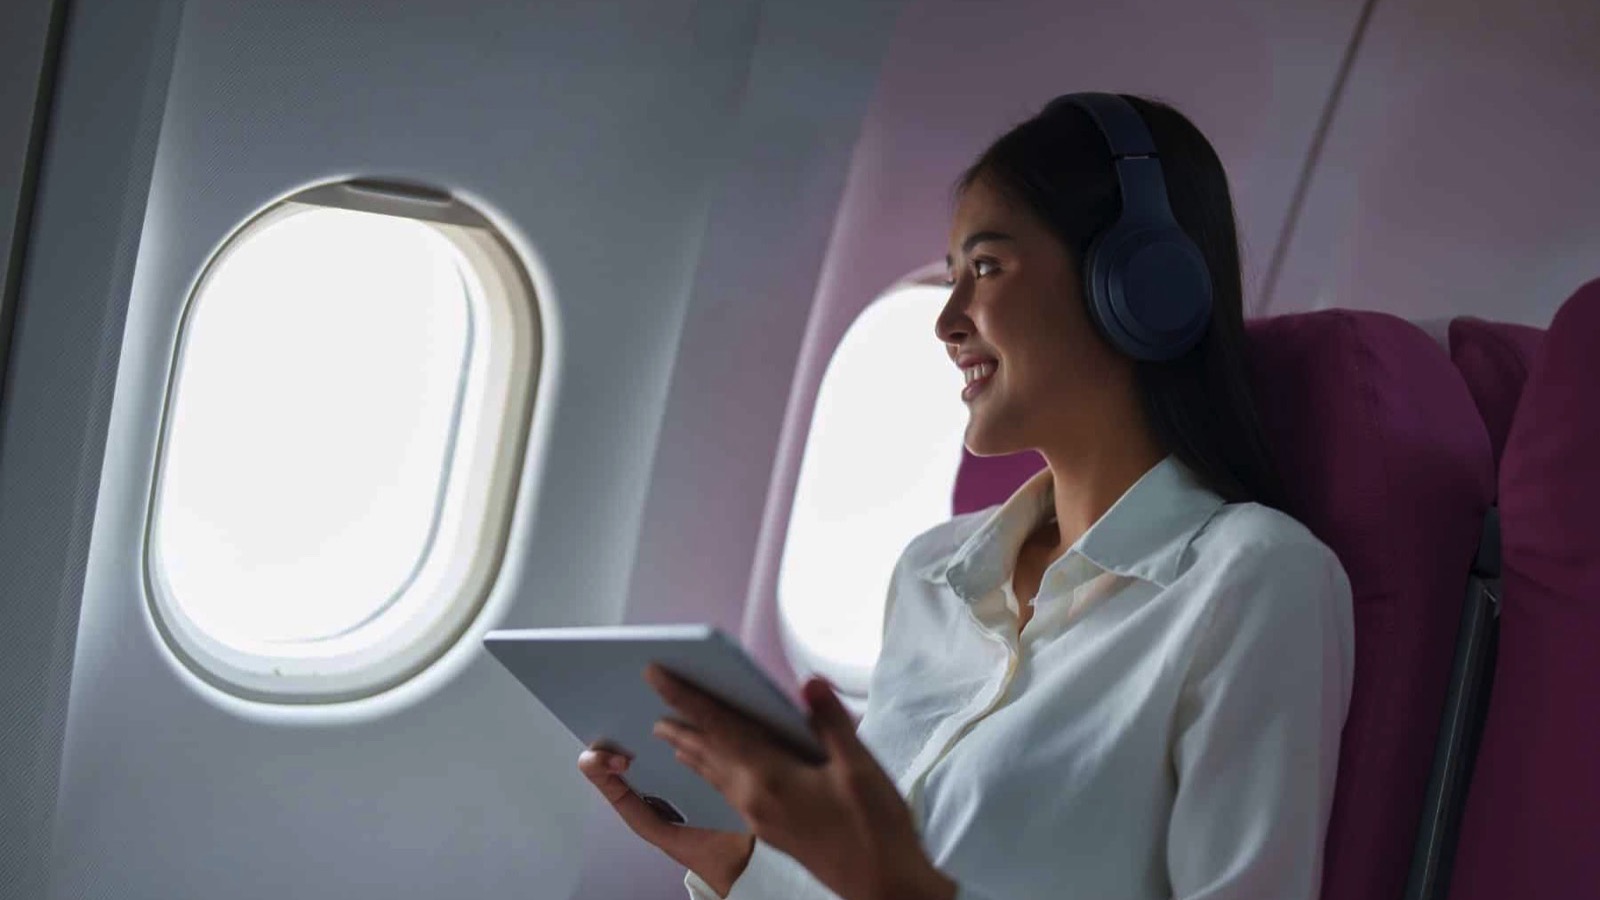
(592, 679)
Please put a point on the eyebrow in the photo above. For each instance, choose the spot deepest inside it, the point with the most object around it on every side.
(977, 238)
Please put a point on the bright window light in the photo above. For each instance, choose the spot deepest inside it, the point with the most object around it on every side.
(311, 427)
(879, 468)
(333, 488)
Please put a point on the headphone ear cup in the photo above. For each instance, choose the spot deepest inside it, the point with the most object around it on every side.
(1148, 290)
(1097, 297)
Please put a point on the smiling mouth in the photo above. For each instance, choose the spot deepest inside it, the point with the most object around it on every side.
(977, 379)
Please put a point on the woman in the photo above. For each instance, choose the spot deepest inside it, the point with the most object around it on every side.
(1129, 679)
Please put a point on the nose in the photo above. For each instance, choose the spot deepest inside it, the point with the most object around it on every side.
(953, 326)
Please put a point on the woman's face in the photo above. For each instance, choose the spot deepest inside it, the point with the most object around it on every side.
(1038, 373)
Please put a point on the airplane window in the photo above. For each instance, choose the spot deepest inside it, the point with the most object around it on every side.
(879, 467)
(345, 418)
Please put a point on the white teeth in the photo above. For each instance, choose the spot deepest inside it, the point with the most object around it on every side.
(982, 370)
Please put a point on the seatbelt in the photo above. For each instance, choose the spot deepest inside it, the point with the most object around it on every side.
(1467, 702)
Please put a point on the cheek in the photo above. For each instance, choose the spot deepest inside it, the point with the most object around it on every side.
(1056, 349)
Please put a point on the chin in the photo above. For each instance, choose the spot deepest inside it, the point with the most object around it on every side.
(988, 438)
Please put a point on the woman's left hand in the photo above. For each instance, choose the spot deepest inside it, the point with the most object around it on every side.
(843, 819)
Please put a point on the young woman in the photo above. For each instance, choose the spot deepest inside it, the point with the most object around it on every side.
(1126, 681)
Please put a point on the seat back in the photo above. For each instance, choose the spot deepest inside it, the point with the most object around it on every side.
(1532, 822)
(1385, 459)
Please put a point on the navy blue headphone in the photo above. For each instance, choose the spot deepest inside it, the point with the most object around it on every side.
(1147, 286)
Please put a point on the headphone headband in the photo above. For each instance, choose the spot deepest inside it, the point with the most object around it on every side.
(1125, 131)
(1133, 154)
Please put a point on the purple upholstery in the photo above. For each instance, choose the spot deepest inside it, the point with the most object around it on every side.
(1493, 358)
(1386, 460)
(1532, 822)
(985, 481)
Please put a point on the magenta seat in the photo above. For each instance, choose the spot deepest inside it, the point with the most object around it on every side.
(1532, 821)
(983, 481)
(1385, 458)
(1493, 358)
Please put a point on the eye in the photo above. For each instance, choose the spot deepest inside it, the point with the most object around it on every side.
(977, 269)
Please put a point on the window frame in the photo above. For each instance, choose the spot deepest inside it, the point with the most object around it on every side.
(483, 466)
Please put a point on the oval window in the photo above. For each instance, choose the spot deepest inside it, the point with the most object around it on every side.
(346, 415)
(879, 468)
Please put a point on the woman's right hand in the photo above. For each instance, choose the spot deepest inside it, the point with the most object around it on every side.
(718, 857)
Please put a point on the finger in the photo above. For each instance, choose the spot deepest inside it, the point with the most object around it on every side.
(690, 750)
(638, 815)
(697, 764)
(600, 762)
(724, 730)
(681, 735)
(699, 707)
(832, 722)
(597, 768)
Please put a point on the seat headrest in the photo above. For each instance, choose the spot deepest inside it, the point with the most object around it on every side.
(1550, 475)
(1493, 358)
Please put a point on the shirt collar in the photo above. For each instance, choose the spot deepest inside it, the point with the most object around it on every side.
(1142, 535)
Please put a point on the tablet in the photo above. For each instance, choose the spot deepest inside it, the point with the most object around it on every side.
(592, 679)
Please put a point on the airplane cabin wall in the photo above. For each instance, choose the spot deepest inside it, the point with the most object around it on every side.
(758, 270)
(1458, 177)
(598, 136)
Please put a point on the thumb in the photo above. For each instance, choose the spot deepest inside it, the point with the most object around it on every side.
(830, 718)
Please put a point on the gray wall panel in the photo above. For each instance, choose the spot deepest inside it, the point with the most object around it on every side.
(814, 71)
(22, 57)
(80, 257)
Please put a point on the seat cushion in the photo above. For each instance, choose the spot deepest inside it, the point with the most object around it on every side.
(1493, 358)
(1532, 821)
(1386, 460)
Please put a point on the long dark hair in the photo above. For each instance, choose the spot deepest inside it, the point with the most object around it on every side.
(1058, 165)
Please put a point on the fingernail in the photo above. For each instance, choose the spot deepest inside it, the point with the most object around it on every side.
(616, 764)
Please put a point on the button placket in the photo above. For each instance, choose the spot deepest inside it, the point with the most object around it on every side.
(957, 725)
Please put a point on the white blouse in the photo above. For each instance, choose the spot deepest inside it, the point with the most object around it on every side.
(1166, 725)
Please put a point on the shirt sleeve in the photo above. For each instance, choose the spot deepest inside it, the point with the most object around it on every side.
(770, 874)
(1256, 738)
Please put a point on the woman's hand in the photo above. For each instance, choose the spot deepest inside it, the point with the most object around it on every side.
(844, 819)
(718, 857)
